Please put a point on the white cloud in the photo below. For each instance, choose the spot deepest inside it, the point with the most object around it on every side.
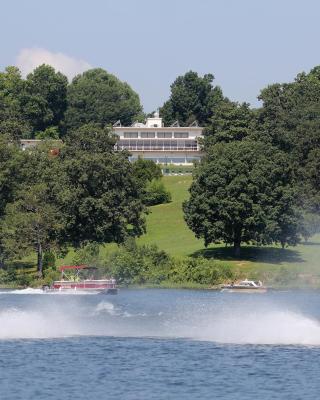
(30, 58)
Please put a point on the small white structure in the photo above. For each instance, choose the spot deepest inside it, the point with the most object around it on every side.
(163, 145)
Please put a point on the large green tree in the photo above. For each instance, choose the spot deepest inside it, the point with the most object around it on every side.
(33, 218)
(101, 201)
(32, 223)
(290, 120)
(11, 163)
(11, 88)
(231, 121)
(242, 192)
(192, 98)
(99, 97)
(44, 98)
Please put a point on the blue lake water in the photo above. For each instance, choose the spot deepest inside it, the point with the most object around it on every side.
(159, 344)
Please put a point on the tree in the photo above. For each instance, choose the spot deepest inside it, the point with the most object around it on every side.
(11, 162)
(32, 223)
(33, 219)
(290, 120)
(101, 201)
(192, 98)
(146, 170)
(44, 99)
(242, 192)
(11, 88)
(99, 97)
(156, 193)
(231, 121)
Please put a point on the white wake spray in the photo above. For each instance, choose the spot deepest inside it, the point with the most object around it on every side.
(227, 322)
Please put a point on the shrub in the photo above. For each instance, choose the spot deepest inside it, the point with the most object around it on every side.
(132, 264)
(146, 170)
(24, 279)
(156, 193)
(49, 261)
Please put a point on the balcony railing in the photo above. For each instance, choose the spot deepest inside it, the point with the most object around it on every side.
(157, 145)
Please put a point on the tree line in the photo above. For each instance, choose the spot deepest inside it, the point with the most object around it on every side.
(257, 183)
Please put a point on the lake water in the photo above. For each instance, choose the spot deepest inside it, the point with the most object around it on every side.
(159, 344)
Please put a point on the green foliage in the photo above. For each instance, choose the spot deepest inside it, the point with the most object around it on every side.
(156, 193)
(231, 121)
(192, 98)
(50, 133)
(101, 199)
(11, 162)
(44, 100)
(31, 223)
(149, 175)
(49, 260)
(33, 104)
(15, 129)
(88, 254)
(24, 279)
(11, 89)
(243, 192)
(99, 97)
(290, 120)
(146, 170)
(132, 264)
(11, 275)
(202, 271)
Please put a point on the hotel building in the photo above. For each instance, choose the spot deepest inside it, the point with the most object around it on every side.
(163, 145)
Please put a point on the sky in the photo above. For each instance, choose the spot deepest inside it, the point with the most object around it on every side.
(245, 44)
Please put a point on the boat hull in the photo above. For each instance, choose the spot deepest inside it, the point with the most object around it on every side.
(244, 290)
(97, 286)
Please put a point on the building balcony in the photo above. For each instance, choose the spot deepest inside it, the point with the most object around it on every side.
(155, 148)
(158, 145)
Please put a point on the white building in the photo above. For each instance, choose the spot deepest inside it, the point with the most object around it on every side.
(164, 145)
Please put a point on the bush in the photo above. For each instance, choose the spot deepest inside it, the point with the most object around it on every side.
(3, 276)
(156, 193)
(201, 271)
(49, 261)
(146, 170)
(11, 275)
(24, 279)
(132, 264)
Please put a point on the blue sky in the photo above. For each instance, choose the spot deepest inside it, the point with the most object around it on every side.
(246, 44)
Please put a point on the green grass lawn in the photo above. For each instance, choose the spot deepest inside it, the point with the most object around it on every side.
(165, 224)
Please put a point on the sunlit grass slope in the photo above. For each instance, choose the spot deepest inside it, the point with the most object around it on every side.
(165, 224)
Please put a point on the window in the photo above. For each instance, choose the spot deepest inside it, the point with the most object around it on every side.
(164, 135)
(181, 134)
(147, 135)
(178, 160)
(164, 160)
(191, 144)
(129, 135)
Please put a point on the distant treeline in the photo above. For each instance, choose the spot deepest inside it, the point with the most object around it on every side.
(257, 183)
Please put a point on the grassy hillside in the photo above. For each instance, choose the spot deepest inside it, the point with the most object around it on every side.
(165, 223)
(167, 229)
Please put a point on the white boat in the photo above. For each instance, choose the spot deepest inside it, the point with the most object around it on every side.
(72, 280)
(245, 286)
